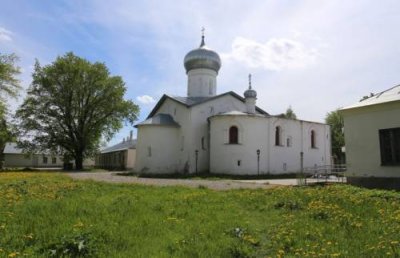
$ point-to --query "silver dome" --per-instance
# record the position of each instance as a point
(250, 93)
(202, 57)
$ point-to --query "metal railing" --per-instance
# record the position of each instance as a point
(331, 173)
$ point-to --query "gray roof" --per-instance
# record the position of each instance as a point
(192, 101)
(160, 119)
(389, 95)
(11, 148)
(129, 144)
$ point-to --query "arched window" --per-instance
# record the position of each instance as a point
(313, 145)
(233, 135)
(278, 134)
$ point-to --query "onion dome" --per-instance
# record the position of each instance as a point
(202, 57)
(250, 93)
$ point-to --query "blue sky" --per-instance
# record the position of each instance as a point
(313, 55)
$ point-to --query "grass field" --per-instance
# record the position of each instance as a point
(45, 215)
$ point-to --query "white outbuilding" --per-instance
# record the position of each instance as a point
(372, 138)
(206, 132)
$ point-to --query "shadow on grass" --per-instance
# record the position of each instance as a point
(208, 176)
(48, 169)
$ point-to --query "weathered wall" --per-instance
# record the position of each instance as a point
(157, 149)
(131, 158)
(202, 82)
(259, 133)
(20, 160)
(361, 129)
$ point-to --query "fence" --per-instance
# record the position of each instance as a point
(329, 173)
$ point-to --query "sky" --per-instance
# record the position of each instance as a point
(315, 56)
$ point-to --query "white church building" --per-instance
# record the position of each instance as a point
(206, 132)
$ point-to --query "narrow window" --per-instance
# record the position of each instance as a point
(149, 151)
(239, 163)
(182, 143)
(210, 88)
(389, 140)
(44, 160)
(233, 135)
(313, 145)
(278, 132)
(289, 142)
(54, 160)
(203, 147)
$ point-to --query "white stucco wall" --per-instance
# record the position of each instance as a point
(157, 148)
(131, 158)
(259, 133)
(361, 129)
(21, 160)
(225, 157)
(177, 153)
(199, 128)
(193, 127)
(202, 83)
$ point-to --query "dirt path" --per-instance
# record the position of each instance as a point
(113, 177)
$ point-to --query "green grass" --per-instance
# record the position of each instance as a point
(43, 214)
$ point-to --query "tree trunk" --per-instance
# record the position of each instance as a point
(79, 161)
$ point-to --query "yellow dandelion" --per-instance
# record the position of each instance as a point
(13, 254)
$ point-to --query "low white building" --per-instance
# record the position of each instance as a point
(372, 139)
(120, 156)
(226, 133)
(14, 157)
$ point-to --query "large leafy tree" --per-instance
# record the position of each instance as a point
(9, 84)
(335, 120)
(9, 88)
(71, 104)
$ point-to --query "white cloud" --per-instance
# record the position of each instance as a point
(5, 35)
(275, 54)
(145, 99)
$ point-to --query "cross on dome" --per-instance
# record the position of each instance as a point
(202, 37)
(250, 81)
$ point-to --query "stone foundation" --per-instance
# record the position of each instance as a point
(389, 183)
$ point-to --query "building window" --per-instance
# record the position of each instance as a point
(149, 151)
(44, 160)
(278, 135)
(203, 145)
(54, 160)
(390, 146)
(233, 135)
(289, 141)
(313, 145)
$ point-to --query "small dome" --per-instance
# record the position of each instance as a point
(202, 57)
(250, 93)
